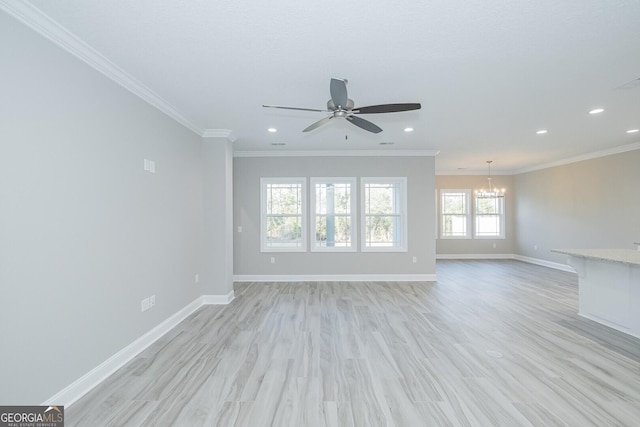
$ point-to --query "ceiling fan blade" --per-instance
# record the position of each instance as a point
(317, 124)
(294, 108)
(338, 90)
(364, 124)
(387, 108)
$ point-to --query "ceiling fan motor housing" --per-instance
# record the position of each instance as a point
(332, 107)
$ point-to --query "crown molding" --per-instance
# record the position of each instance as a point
(474, 172)
(220, 133)
(588, 156)
(34, 18)
(338, 153)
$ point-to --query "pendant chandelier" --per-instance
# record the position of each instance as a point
(492, 192)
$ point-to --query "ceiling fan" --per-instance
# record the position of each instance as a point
(341, 106)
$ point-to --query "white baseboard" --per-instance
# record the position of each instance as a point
(544, 263)
(334, 278)
(474, 256)
(88, 381)
(218, 299)
(608, 324)
(530, 260)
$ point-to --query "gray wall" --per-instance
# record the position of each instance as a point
(588, 204)
(217, 157)
(248, 260)
(85, 233)
(479, 246)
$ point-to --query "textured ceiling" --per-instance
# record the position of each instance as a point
(488, 73)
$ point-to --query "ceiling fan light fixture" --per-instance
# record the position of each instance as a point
(341, 106)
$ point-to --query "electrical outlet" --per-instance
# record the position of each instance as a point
(144, 305)
(494, 246)
(273, 260)
(239, 229)
(535, 247)
(196, 279)
(152, 301)
(415, 259)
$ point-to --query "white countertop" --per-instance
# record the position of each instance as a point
(625, 256)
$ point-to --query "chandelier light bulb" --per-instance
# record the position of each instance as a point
(491, 193)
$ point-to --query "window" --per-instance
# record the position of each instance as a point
(454, 205)
(384, 213)
(333, 214)
(283, 214)
(489, 217)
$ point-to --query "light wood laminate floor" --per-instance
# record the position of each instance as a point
(491, 343)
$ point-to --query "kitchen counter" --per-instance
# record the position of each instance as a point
(625, 256)
(608, 286)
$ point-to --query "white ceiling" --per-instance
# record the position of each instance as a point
(489, 74)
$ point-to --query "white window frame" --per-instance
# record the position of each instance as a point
(403, 214)
(501, 216)
(353, 204)
(468, 214)
(263, 214)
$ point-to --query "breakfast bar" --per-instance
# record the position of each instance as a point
(608, 286)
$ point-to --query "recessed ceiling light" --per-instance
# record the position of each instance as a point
(633, 130)
(387, 143)
(596, 111)
(272, 130)
(408, 129)
(541, 132)
(278, 144)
